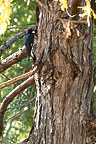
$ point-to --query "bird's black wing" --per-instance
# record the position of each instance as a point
(29, 40)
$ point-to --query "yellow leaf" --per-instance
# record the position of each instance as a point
(63, 4)
(5, 12)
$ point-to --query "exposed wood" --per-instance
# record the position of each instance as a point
(16, 79)
(12, 39)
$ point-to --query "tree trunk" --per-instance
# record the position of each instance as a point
(65, 81)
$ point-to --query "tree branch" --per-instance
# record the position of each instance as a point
(5, 76)
(21, 77)
(12, 39)
(13, 59)
(11, 96)
(14, 84)
(16, 27)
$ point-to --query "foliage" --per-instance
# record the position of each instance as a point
(17, 123)
(17, 128)
(63, 4)
(88, 11)
(5, 12)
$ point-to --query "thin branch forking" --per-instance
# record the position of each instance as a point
(21, 77)
(11, 96)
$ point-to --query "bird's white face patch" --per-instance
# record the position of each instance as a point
(33, 31)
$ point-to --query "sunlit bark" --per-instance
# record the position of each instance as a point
(65, 81)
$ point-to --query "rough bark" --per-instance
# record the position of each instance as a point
(65, 81)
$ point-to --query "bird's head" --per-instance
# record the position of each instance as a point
(29, 31)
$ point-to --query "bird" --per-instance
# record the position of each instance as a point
(29, 40)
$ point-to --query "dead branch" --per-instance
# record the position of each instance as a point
(21, 77)
(5, 76)
(13, 59)
(16, 27)
(11, 96)
(14, 84)
(12, 39)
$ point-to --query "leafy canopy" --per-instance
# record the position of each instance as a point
(5, 12)
(17, 126)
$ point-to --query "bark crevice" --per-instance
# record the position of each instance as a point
(65, 90)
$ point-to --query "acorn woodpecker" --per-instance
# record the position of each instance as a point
(29, 40)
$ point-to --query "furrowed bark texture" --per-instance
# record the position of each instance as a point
(65, 81)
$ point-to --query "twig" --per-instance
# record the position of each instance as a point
(14, 84)
(15, 116)
(5, 76)
(17, 27)
(25, 95)
(15, 92)
(22, 104)
(21, 77)
(11, 96)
